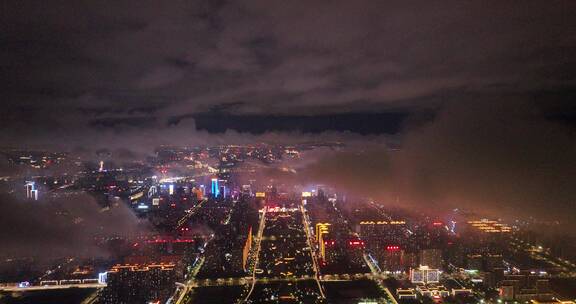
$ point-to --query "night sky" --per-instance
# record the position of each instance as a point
(77, 69)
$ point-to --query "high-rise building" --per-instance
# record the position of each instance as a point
(215, 189)
(474, 261)
(392, 258)
(246, 249)
(409, 260)
(494, 261)
(431, 258)
(199, 193)
(321, 229)
(355, 251)
(331, 254)
(247, 190)
(34, 194)
(31, 191)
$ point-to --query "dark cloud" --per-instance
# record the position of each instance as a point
(92, 66)
(134, 75)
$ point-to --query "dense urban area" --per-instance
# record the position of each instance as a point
(208, 225)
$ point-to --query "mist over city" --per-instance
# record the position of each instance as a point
(397, 152)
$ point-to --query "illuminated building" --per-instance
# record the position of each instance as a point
(486, 262)
(139, 283)
(260, 194)
(223, 190)
(461, 291)
(355, 251)
(102, 277)
(406, 294)
(155, 201)
(247, 190)
(392, 258)
(34, 194)
(246, 249)
(432, 276)
(409, 260)
(494, 262)
(203, 189)
(380, 233)
(490, 226)
(152, 191)
(199, 193)
(506, 293)
(474, 261)
(525, 287)
(29, 187)
(432, 291)
(31, 191)
(425, 275)
(431, 258)
(417, 276)
(321, 229)
(214, 187)
(331, 255)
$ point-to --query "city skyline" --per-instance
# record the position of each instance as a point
(326, 151)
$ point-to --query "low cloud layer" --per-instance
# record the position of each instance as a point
(71, 226)
(501, 159)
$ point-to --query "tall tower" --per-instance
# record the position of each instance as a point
(29, 187)
(215, 188)
(31, 191)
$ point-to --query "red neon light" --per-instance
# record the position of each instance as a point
(183, 241)
(392, 247)
(437, 223)
(170, 241)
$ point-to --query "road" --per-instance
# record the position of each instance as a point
(257, 252)
(285, 256)
(309, 238)
(377, 277)
(234, 281)
(189, 214)
(50, 287)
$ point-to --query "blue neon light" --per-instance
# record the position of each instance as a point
(215, 188)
